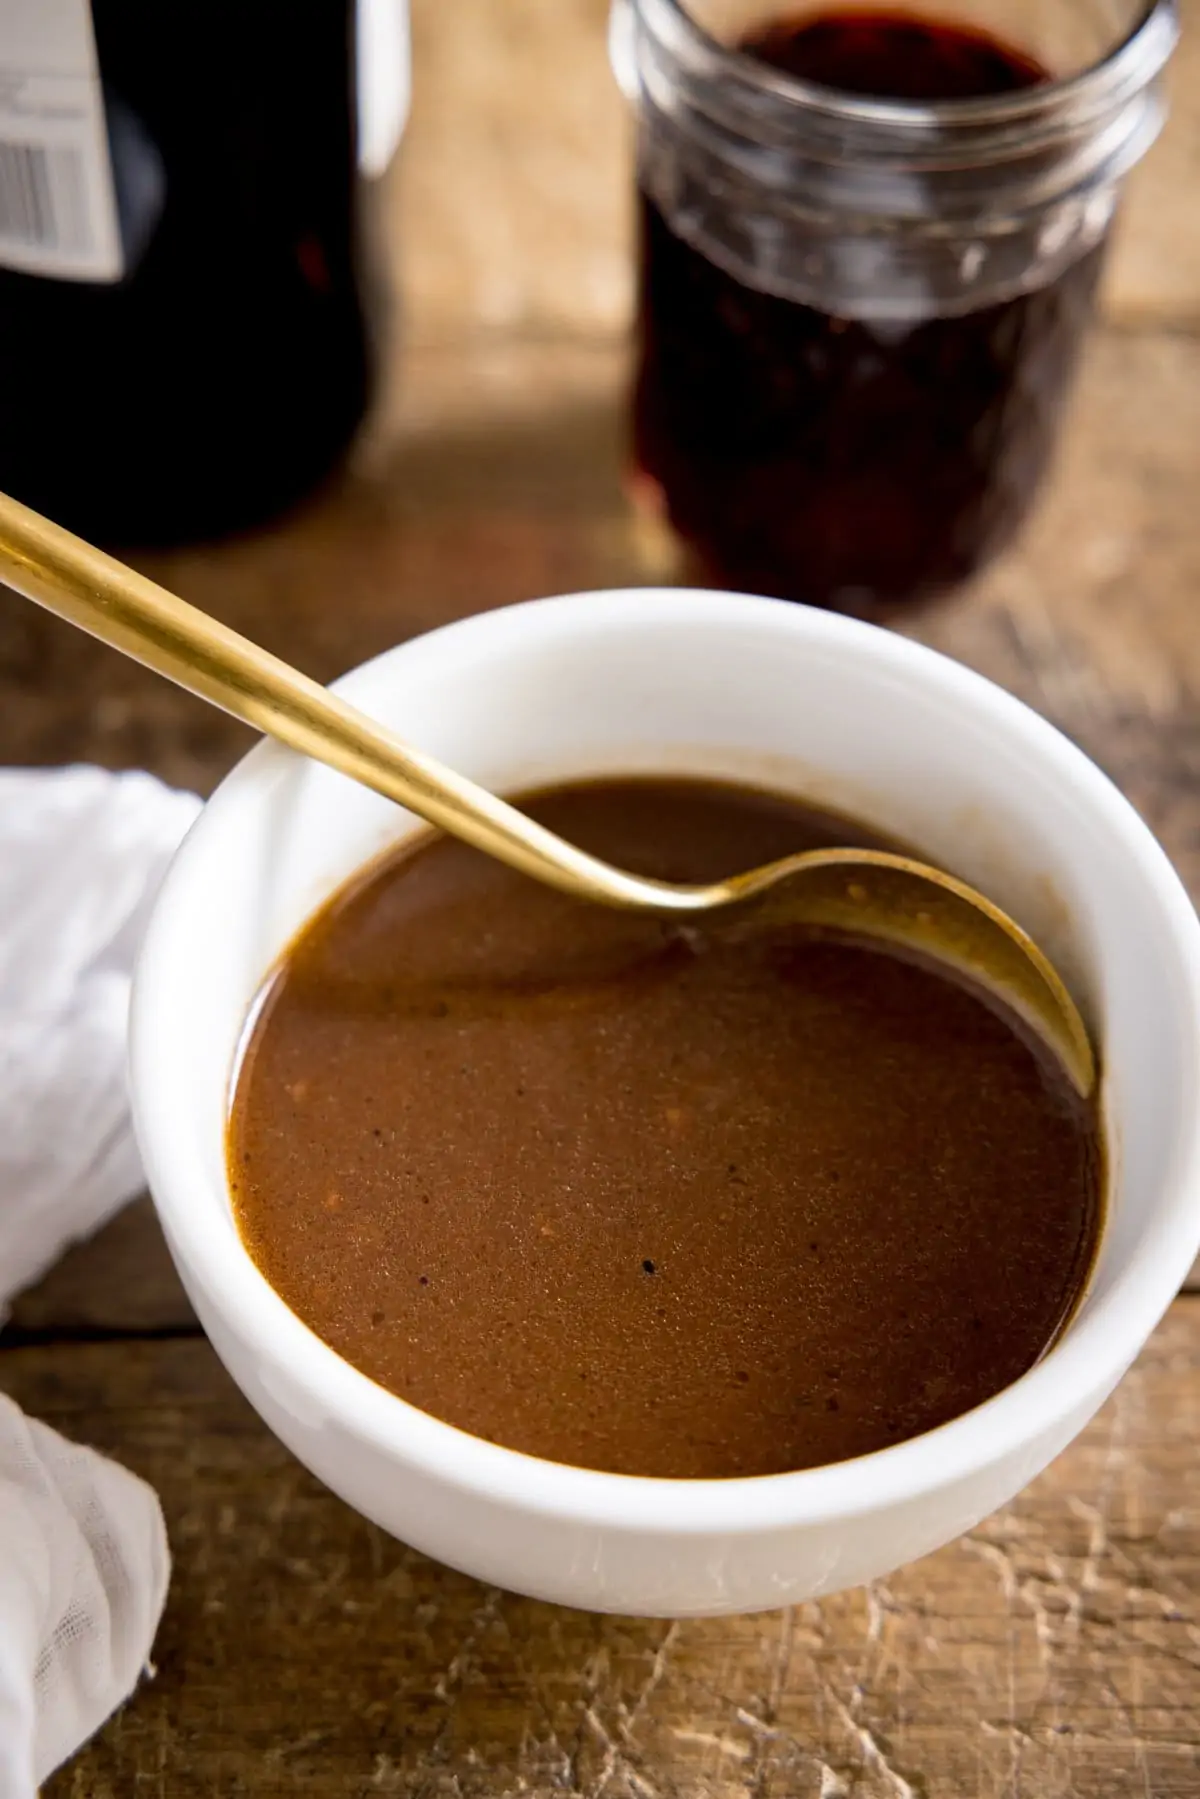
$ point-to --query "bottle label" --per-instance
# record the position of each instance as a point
(383, 79)
(58, 210)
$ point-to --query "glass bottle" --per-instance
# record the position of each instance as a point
(859, 315)
(189, 298)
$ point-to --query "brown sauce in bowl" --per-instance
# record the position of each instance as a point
(652, 1200)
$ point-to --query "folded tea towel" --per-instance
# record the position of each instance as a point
(83, 1551)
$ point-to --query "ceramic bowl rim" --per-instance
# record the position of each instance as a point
(1090, 1356)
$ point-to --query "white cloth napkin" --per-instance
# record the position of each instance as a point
(83, 1550)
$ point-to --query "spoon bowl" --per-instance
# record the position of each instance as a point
(921, 910)
(872, 894)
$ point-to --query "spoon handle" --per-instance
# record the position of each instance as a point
(102, 596)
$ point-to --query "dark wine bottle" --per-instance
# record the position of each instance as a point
(190, 303)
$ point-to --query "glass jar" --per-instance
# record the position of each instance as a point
(859, 316)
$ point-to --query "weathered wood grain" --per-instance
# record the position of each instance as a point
(121, 1282)
(1052, 1654)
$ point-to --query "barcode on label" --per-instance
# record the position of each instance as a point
(58, 201)
(43, 202)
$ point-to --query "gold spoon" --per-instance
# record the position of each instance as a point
(871, 893)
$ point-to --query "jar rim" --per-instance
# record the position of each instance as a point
(1129, 65)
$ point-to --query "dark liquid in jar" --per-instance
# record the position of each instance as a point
(851, 464)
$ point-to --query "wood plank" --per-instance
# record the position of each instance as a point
(1054, 1653)
(1092, 619)
(121, 1282)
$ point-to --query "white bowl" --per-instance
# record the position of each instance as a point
(709, 684)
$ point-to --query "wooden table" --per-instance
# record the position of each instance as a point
(1055, 1651)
